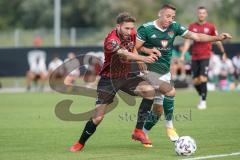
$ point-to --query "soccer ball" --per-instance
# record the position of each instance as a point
(185, 146)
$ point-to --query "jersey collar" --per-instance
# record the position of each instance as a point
(156, 26)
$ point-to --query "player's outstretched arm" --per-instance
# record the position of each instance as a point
(133, 56)
(199, 37)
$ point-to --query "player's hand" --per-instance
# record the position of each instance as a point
(224, 56)
(156, 51)
(224, 36)
(150, 59)
(182, 58)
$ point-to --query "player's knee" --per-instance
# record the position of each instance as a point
(171, 93)
(203, 79)
(196, 81)
(97, 120)
(147, 91)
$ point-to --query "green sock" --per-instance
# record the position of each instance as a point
(151, 120)
(168, 106)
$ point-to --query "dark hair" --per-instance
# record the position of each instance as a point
(125, 17)
(202, 7)
(169, 6)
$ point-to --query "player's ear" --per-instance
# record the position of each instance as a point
(118, 26)
(159, 14)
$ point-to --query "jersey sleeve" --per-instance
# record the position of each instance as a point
(112, 45)
(214, 31)
(180, 30)
(141, 34)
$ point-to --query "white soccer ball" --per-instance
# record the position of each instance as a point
(185, 146)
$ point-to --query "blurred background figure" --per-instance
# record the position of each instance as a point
(214, 71)
(179, 68)
(54, 64)
(73, 73)
(93, 63)
(236, 64)
(226, 74)
(37, 66)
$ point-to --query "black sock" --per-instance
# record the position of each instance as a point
(198, 88)
(89, 129)
(143, 111)
(203, 90)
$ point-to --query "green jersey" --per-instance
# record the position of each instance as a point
(162, 39)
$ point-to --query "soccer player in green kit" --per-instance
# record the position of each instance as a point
(157, 37)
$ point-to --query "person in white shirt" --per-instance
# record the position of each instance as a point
(53, 65)
(214, 68)
(73, 74)
(37, 68)
(226, 73)
(236, 64)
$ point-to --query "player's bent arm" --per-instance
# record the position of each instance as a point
(132, 56)
(199, 37)
(186, 46)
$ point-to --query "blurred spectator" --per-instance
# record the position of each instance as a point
(74, 73)
(236, 63)
(37, 66)
(214, 68)
(226, 74)
(93, 63)
(179, 68)
(54, 64)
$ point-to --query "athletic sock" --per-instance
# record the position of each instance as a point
(88, 131)
(169, 124)
(203, 90)
(198, 88)
(143, 111)
(150, 121)
(168, 106)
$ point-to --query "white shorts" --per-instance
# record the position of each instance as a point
(154, 79)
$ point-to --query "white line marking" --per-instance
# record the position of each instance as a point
(213, 156)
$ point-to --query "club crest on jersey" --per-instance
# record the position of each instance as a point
(170, 34)
(195, 30)
(164, 43)
(206, 30)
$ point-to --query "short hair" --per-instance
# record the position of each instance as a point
(125, 17)
(202, 7)
(168, 6)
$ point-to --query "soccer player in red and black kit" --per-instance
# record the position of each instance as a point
(119, 50)
(201, 52)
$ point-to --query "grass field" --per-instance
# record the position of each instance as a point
(29, 129)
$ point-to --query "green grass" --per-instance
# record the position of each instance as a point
(30, 130)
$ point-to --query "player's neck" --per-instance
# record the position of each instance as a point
(201, 22)
(160, 25)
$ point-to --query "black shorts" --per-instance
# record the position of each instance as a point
(200, 67)
(108, 87)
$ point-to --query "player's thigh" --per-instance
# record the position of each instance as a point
(195, 65)
(106, 91)
(204, 63)
(165, 85)
(138, 86)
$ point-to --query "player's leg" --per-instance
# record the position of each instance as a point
(138, 86)
(105, 95)
(155, 114)
(203, 78)
(167, 103)
(168, 106)
(196, 73)
(29, 78)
